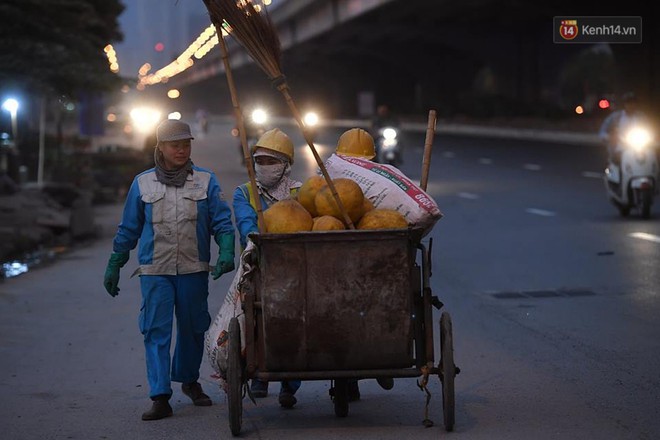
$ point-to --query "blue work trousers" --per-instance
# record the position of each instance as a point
(163, 297)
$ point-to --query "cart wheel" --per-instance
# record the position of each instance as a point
(447, 370)
(235, 378)
(340, 397)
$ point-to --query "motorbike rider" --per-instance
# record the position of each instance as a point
(202, 117)
(618, 122)
(382, 119)
(273, 156)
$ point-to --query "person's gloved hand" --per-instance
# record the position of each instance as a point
(225, 261)
(111, 278)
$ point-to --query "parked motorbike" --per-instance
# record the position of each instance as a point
(631, 179)
(388, 149)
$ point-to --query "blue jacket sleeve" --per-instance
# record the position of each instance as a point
(219, 210)
(245, 215)
(132, 221)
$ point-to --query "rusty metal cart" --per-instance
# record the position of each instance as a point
(339, 305)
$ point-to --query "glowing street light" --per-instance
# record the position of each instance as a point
(11, 105)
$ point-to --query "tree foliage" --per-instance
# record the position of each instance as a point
(57, 45)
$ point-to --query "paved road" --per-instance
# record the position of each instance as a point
(553, 296)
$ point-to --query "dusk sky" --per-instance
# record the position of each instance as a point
(145, 23)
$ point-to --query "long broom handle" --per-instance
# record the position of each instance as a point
(241, 129)
(284, 88)
(428, 143)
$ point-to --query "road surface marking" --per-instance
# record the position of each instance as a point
(645, 236)
(485, 161)
(470, 196)
(541, 212)
(592, 175)
(448, 154)
(532, 167)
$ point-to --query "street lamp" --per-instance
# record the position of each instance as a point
(11, 105)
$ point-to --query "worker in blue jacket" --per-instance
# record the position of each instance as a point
(273, 157)
(173, 210)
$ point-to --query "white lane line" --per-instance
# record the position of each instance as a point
(448, 154)
(469, 196)
(592, 175)
(532, 167)
(485, 161)
(645, 236)
(541, 212)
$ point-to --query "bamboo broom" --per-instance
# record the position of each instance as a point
(251, 26)
(240, 121)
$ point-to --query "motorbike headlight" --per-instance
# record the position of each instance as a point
(311, 119)
(145, 118)
(638, 138)
(259, 116)
(389, 133)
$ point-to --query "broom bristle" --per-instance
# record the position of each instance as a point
(252, 28)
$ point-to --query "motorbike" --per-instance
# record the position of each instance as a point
(311, 120)
(255, 126)
(631, 178)
(388, 150)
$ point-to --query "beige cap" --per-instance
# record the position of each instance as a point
(173, 130)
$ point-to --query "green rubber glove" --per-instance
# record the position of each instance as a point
(111, 278)
(225, 261)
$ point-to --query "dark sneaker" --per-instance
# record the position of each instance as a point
(160, 408)
(287, 400)
(386, 383)
(353, 391)
(194, 391)
(259, 389)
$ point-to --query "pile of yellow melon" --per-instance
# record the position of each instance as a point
(315, 209)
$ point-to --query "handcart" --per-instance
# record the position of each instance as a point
(339, 305)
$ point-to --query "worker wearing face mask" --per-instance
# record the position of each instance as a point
(273, 157)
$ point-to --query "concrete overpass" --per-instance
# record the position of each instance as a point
(478, 57)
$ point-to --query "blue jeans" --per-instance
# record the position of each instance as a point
(163, 297)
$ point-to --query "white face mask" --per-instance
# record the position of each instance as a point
(269, 175)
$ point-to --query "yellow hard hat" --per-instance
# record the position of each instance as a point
(276, 140)
(356, 142)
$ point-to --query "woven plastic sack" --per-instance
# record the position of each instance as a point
(216, 339)
(387, 187)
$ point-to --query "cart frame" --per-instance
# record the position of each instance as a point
(315, 314)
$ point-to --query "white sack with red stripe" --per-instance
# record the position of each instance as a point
(387, 188)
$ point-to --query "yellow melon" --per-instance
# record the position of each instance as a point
(327, 223)
(351, 197)
(307, 193)
(367, 205)
(287, 216)
(382, 219)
